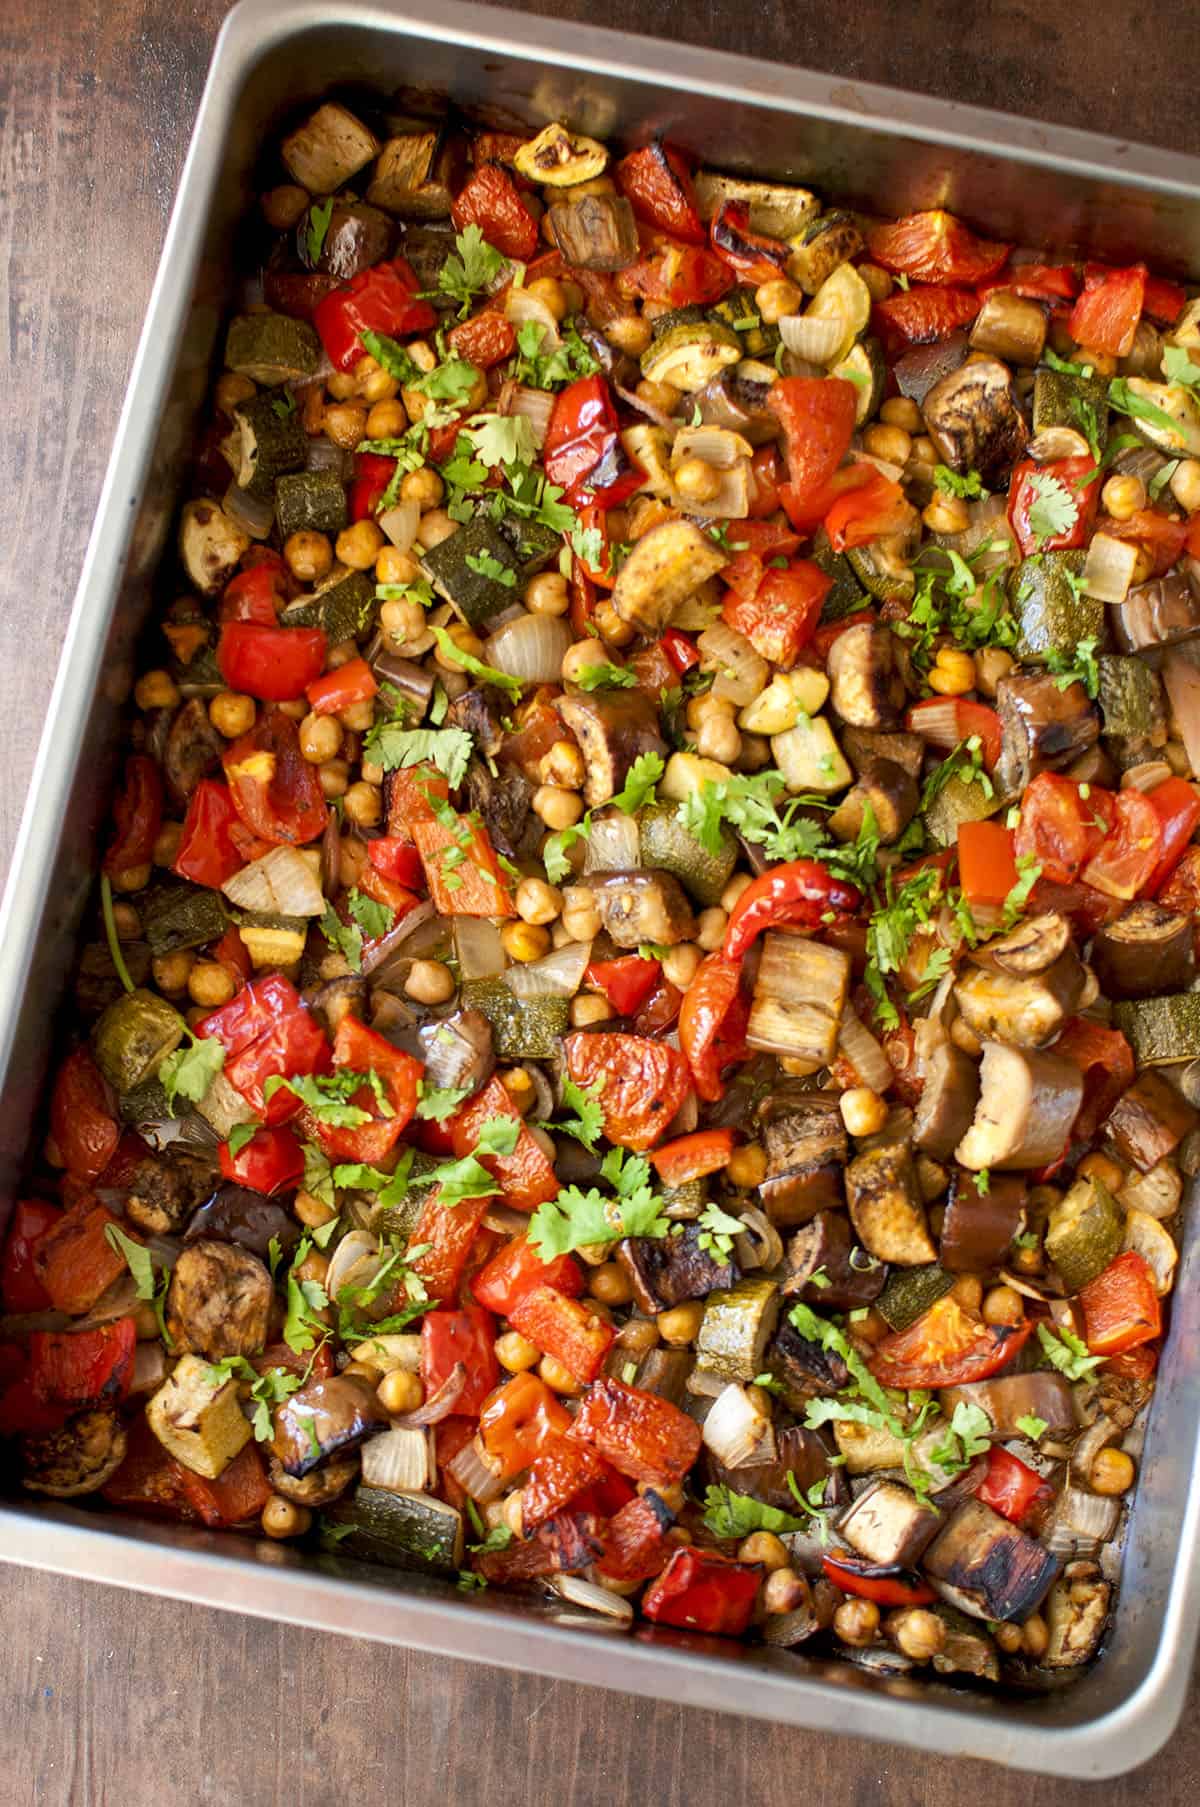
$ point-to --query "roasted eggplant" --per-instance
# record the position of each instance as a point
(1146, 950)
(613, 729)
(219, 1301)
(827, 1268)
(987, 1568)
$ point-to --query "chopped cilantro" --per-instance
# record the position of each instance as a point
(470, 270)
(319, 216)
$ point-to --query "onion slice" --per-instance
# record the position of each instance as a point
(535, 406)
(556, 975)
(475, 1473)
(280, 883)
(864, 1053)
(530, 647)
(399, 1460)
(522, 308)
(478, 947)
(441, 1403)
(812, 337)
(1108, 568)
(400, 524)
(389, 945)
(252, 513)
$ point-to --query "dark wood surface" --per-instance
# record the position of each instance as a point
(107, 1697)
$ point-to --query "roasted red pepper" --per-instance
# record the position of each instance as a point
(83, 1367)
(679, 275)
(556, 1478)
(275, 664)
(781, 617)
(484, 340)
(946, 721)
(150, 1481)
(269, 1161)
(922, 315)
(866, 509)
(353, 682)
(520, 1420)
(1106, 315)
(1029, 489)
(752, 257)
(138, 813)
(645, 1082)
(357, 1049)
(491, 201)
(641, 1434)
(20, 1284)
(946, 1347)
(1105, 1059)
(275, 791)
(266, 1031)
(563, 1328)
(447, 1233)
(397, 861)
(236, 1497)
(935, 247)
(383, 300)
(712, 1023)
(692, 1157)
(1178, 809)
(636, 1545)
(1162, 300)
(74, 1260)
(680, 649)
(82, 1123)
(208, 853)
(800, 892)
(514, 1268)
(1010, 1487)
(1162, 537)
(582, 451)
(700, 1590)
(656, 183)
(373, 472)
(1120, 1306)
(886, 1583)
(817, 415)
(626, 982)
(526, 1177)
(461, 869)
(987, 862)
(467, 1336)
(1036, 282)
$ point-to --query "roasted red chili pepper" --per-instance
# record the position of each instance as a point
(801, 892)
(754, 258)
(712, 1023)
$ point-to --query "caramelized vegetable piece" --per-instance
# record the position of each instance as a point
(987, 1568)
(886, 1207)
(1027, 1103)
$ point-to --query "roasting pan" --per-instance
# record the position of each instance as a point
(1038, 185)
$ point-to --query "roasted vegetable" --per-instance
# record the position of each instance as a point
(344, 610)
(1149, 1121)
(665, 1271)
(1026, 1012)
(417, 174)
(1007, 1398)
(522, 1028)
(668, 845)
(986, 1567)
(667, 565)
(826, 1268)
(774, 210)
(1053, 614)
(889, 1524)
(597, 232)
(325, 1418)
(400, 1530)
(272, 348)
(806, 1148)
(210, 545)
(820, 246)
(640, 907)
(974, 420)
(1083, 1232)
(614, 729)
(75, 1460)
(888, 792)
(799, 995)
(909, 1293)
(219, 1301)
(978, 1227)
(330, 147)
(1147, 948)
(947, 1101)
(886, 1207)
(198, 1418)
(1009, 327)
(1162, 612)
(1045, 727)
(1027, 1103)
(468, 569)
(310, 501)
(134, 1037)
(1161, 1030)
(737, 1325)
(1076, 1613)
(865, 688)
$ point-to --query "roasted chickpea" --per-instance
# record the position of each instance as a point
(991, 664)
(1122, 496)
(697, 481)
(334, 776)
(747, 1166)
(679, 964)
(345, 424)
(549, 291)
(284, 1518)
(312, 1211)
(629, 333)
(776, 298)
(589, 1007)
(864, 1112)
(386, 419)
(434, 527)
(320, 738)
(546, 594)
(877, 279)
(953, 672)
(1003, 1305)
(580, 657)
(556, 807)
(785, 1591)
(364, 804)
(538, 902)
(232, 715)
(1103, 1168)
(403, 621)
(765, 1548)
(681, 1325)
(465, 639)
(967, 1291)
(400, 1391)
(377, 386)
(308, 555)
(562, 764)
(342, 385)
(430, 982)
(891, 443)
(156, 690)
(734, 889)
(718, 738)
(515, 1352)
(916, 1633)
(359, 546)
(1008, 1637)
(1035, 1636)
(396, 567)
(663, 396)
(166, 847)
(900, 411)
(210, 984)
(856, 1622)
(524, 941)
(612, 629)
(1112, 1473)
(424, 487)
(610, 1284)
(945, 514)
(580, 916)
(558, 1378)
(1185, 484)
(710, 928)
(520, 1087)
(283, 206)
(131, 878)
(171, 971)
(233, 389)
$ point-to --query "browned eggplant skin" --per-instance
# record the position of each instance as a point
(885, 1205)
(613, 730)
(219, 1301)
(597, 232)
(807, 1148)
(236, 1214)
(1145, 952)
(987, 1568)
(826, 1247)
(193, 750)
(889, 791)
(1044, 728)
(977, 1227)
(323, 1419)
(974, 420)
(1160, 613)
(357, 235)
(640, 907)
(799, 1452)
(947, 1101)
(665, 1271)
(866, 690)
(1149, 1121)
(740, 404)
(1007, 1398)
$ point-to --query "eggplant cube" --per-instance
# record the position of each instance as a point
(328, 149)
(197, 1420)
(987, 1568)
(889, 1524)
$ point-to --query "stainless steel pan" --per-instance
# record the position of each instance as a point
(868, 145)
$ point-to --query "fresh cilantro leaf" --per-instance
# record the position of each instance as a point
(1179, 367)
(588, 545)
(638, 788)
(374, 919)
(458, 1180)
(728, 1515)
(1066, 1352)
(319, 216)
(266, 1390)
(891, 929)
(628, 1173)
(820, 1279)
(472, 271)
(328, 1095)
(1162, 478)
(190, 1071)
(554, 851)
(1015, 903)
(968, 1435)
(346, 937)
(394, 748)
(1127, 401)
(1032, 1426)
(576, 1218)
(952, 484)
(452, 383)
(587, 1124)
(749, 805)
(498, 1538)
(499, 1135)
(500, 439)
(487, 674)
(717, 1231)
(1052, 360)
(436, 1103)
(137, 1259)
(303, 1326)
(1054, 510)
(1078, 667)
(469, 1582)
(239, 1135)
(965, 763)
(769, 1384)
(484, 565)
(284, 405)
(983, 1182)
(830, 1337)
(604, 677)
(563, 363)
(318, 1177)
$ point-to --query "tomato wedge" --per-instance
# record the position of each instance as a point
(817, 417)
(272, 786)
(935, 247)
(921, 316)
(1127, 858)
(1060, 828)
(874, 507)
(946, 1347)
(1106, 315)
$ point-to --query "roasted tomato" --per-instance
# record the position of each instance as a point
(946, 1347)
(935, 247)
(644, 1083)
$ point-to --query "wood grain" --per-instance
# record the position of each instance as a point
(107, 1697)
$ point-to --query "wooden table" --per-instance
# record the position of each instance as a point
(110, 1698)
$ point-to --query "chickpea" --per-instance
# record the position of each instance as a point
(400, 1391)
(558, 1378)
(556, 807)
(334, 776)
(515, 1352)
(308, 555)
(785, 1591)
(747, 1166)
(891, 443)
(579, 657)
(764, 1547)
(364, 804)
(1102, 362)
(612, 629)
(520, 1087)
(424, 487)
(171, 971)
(312, 1211)
(580, 912)
(917, 1633)
(953, 672)
(1122, 496)
(1003, 1305)
(681, 1325)
(1143, 566)
(359, 546)
(320, 738)
(345, 424)
(562, 765)
(967, 1291)
(637, 1337)
(403, 621)
(232, 715)
(589, 1007)
(629, 333)
(284, 1518)
(549, 291)
(342, 385)
(166, 847)
(1185, 484)
(856, 1622)
(718, 739)
(734, 889)
(210, 984)
(1008, 1637)
(610, 1284)
(1113, 1472)
(924, 451)
(663, 396)
(679, 964)
(697, 481)
(127, 922)
(776, 298)
(435, 526)
(386, 420)
(283, 206)
(295, 711)
(133, 878)
(1035, 1636)
(1103, 1168)
(524, 941)
(864, 1112)
(396, 567)
(991, 664)
(877, 279)
(156, 690)
(546, 594)
(377, 386)
(701, 708)
(945, 514)
(900, 411)
(513, 1515)
(538, 902)
(430, 982)
(710, 928)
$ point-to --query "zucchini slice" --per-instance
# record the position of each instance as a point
(1161, 1030)
(310, 501)
(827, 241)
(345, 610)
(272, 348)
(134, 1037)
(522, 1028)
(467, 571)
(401, 1530)
(737, 1326)
(667, 845)
(689, 356)
(180, 916)
(1053, 618)
(268, 440)
(863, 365)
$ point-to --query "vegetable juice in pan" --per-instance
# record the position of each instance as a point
(638, 1036)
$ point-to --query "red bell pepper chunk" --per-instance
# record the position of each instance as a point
(582, 452)
(682, 651)
(256, 594)
(526, 1177)
(520, 1420)
(74, 1260)
(514, 1268)
(1035, 282)
(636, 1545)
(461, 869)
(692, 1157)
(946, 721)
(712, 1023)
(645, 1083)
(563, 1328)
(753, 257)
(556, 1477)
(373, 472)
(1106, 315)
(1105, 1059)
(379, 300)
(269, 1161)
(800, 892)
(872, 507)
(607, 1495)
(678, 274)
(83, 1367)
(357, 1049)
(658, 186)
(987, 862)
(1120, 1306)
(1162, 300)
(643, 1435)
(1030, 490)
(946, 1347)
(922, 315)
(886, 1583)
(278, 797)
(396, 860)
(817, 415)
(781, 617)
(208, 854)
(485, 340)
(700, 1590)
(238, 1494)
(935, 247)
(266, 1032)
(450, 1232)
(1128, 857)
(81, 1122)
(138, 812)
(20, 1285)
(467, 1336)
(1178, 810)
(273, 663)
(626, 982)
(1010, 1487)
(490, 200)
(353, 682)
